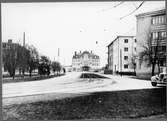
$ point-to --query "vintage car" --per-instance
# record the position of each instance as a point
(159, 79)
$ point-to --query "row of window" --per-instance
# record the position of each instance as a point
(161, 35)
(126, 40)
(158, 20)
(93, 60)
(126, 49)
(160, 48)
(81, 64)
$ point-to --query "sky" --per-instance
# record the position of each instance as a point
(71, 26)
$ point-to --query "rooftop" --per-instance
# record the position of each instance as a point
(90, 54)
(119, 36)
(152, 12)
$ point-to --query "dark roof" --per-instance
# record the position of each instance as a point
(152, 13)
(78, 55)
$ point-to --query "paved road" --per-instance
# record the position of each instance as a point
(71, 83)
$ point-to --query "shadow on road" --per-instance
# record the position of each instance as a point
(98, 105)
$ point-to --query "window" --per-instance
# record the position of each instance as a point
(154, 35)
(164, 48)
(135, 40)
(163, 34)
(125, 66)
(4, 45)
(125, 57)
(125, 49)
(125, 40)
(158, 20)
(135, 48)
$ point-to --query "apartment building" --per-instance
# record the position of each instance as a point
(151, 25)
(121, 51)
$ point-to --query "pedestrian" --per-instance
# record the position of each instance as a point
(64, 70)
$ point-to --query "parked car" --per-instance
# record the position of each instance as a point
(159, 79)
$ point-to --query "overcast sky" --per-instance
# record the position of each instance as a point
(72, 26)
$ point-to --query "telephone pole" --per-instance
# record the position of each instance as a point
(24, 39)
(58, 55)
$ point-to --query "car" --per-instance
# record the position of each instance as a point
(159, 79)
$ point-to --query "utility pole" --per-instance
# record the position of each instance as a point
(24, 39)
(58, 55)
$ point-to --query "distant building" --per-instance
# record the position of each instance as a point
(85, 60)
(68, 68)
(5, 47)
(120, 53)
(151, 24)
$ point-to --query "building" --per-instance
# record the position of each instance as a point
(5, 47)
(68, 68)
(121, 51)
(85, 61)
(151, 25)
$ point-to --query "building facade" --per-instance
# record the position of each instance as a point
(121, 51)
(85, 59)
(151, 25)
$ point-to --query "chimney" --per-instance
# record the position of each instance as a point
(80, 51)
(91, 51)
(75, 53)
(24, 39)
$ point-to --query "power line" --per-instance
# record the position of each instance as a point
(111, 7)
(133, 11)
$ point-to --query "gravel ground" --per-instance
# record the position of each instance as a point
(146, 103)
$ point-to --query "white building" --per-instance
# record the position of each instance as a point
(68, 68)
(120, 54)
(85, 60)
(151, 25)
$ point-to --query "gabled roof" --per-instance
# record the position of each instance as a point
(119, 37)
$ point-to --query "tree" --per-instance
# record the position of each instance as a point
(10, 59)
(23, 57)
(33, 59)
(56, 67)
(151, 52)
(44, 66)
(133, 60)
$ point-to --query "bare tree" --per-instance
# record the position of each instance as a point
(10, 59)
(151, 53)
(23, 56)
(133, 60)
(33, 59)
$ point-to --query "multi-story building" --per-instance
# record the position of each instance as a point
(85, 59)
(121, 51)
(151, 26)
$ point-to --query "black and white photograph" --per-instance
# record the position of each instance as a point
(89, 60)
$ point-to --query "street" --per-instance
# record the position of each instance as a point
(71, 83)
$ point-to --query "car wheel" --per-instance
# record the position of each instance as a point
(154, 84)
